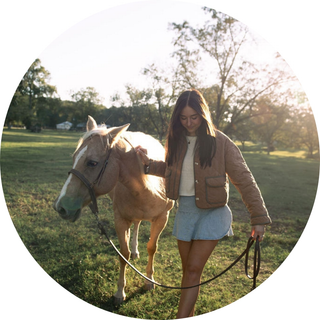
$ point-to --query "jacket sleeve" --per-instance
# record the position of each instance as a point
(242, 178)
(158, 168)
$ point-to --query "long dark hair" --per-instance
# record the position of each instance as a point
(206, 132)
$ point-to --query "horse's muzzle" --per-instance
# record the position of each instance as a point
(67, 213)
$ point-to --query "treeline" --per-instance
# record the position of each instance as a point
(248, 102)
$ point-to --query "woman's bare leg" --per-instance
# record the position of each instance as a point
(194, 256)
(184, 249)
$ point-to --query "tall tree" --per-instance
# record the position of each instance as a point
(17, 110)
(238, 82)
(34, 85)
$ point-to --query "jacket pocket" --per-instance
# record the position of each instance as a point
(168, 179)
(217, 190)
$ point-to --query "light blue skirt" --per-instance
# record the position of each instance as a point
(192, 223)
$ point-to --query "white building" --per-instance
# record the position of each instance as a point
(64, 125)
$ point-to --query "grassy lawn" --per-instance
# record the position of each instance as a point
(33, 170)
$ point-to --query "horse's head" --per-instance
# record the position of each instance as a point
(95, 167)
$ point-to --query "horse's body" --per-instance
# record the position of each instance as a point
(135, 196)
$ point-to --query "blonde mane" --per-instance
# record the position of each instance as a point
(156, 152)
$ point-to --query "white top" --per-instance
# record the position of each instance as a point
(186, 187)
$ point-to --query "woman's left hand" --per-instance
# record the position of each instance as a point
(258, 230)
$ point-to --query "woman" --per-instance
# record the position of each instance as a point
(199, 162)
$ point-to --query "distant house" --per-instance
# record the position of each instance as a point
(64, 125)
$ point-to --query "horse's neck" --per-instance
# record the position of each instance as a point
(130, 170)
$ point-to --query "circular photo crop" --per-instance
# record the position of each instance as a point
(136, 204)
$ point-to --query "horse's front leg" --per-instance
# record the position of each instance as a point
(157, 226)
(134, 243)
(123, 232)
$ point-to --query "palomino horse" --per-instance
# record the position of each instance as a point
(135, 196)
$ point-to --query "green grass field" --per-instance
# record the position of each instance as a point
(33, 170)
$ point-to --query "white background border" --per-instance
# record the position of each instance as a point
(290, 26)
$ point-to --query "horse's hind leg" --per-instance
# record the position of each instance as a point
(123, 232)
(156, 228)
(134, 241)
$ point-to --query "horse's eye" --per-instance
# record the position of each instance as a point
(92, 163)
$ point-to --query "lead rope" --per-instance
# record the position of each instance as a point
(256, 268)
(256, 261)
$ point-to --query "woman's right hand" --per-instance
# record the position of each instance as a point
(143, 155)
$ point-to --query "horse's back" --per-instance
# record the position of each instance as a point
(154, 147)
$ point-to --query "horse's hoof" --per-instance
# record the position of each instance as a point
(135, 256)
(149, 286)
(118, 301)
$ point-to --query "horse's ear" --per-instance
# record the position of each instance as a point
(91, 124)
(116, 132)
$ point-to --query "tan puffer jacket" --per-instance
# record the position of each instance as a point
(212, 183)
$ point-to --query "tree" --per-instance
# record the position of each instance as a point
(50, 111)
(164, 91)
(270, 121)
(243, 132)
(238, 82)
(308, 135)
(140, 109)
(33, 86)
(301, 127)
(87, 102)
(17, 110)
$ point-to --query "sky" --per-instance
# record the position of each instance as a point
(109, 49)
(29, 28)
